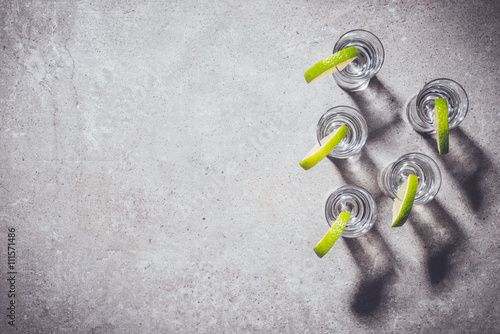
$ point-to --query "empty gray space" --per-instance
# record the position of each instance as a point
(149, 158)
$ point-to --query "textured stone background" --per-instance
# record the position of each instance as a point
(149, 163)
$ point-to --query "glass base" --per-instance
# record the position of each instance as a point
(351, 85)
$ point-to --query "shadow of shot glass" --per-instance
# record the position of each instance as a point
(468, 165)
(442, 238)
(376, 263)
(360, 169)
(378, 126)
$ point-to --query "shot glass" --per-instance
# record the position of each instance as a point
(420, 109)
(418, 164)
(355, 139)
(357, 75)
(359, 203)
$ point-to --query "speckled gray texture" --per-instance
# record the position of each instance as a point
(149, 164)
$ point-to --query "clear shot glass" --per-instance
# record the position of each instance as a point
(359, 203)
(418, 164)
(355, 139)
(357, 75)
(420, 109)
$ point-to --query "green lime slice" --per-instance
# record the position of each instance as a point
(321, 150)
(404, 201)
(336, 61)
(332, 235)
(441, 124)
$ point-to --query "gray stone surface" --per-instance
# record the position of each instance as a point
(149, 164)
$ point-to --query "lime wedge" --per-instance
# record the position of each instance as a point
(321, 150)
(336, 61)
(441, 124)
(404, 201)
(332, 235)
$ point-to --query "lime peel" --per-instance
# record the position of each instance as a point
(403, 202)
(325, 146)
(332, 235)
(337, 61)
(441, 123)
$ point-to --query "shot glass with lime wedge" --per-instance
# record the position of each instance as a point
(414, 178)
(356, 135)
(341, 133)
(357, 74)
(422, 112)
(350, 212)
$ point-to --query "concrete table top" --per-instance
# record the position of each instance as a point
(150, 181)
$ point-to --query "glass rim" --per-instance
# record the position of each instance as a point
(333, 109)
(367, 32)
(359, 30)
(340, 189)
(343, 106)
(419, 154)
(445, 79)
